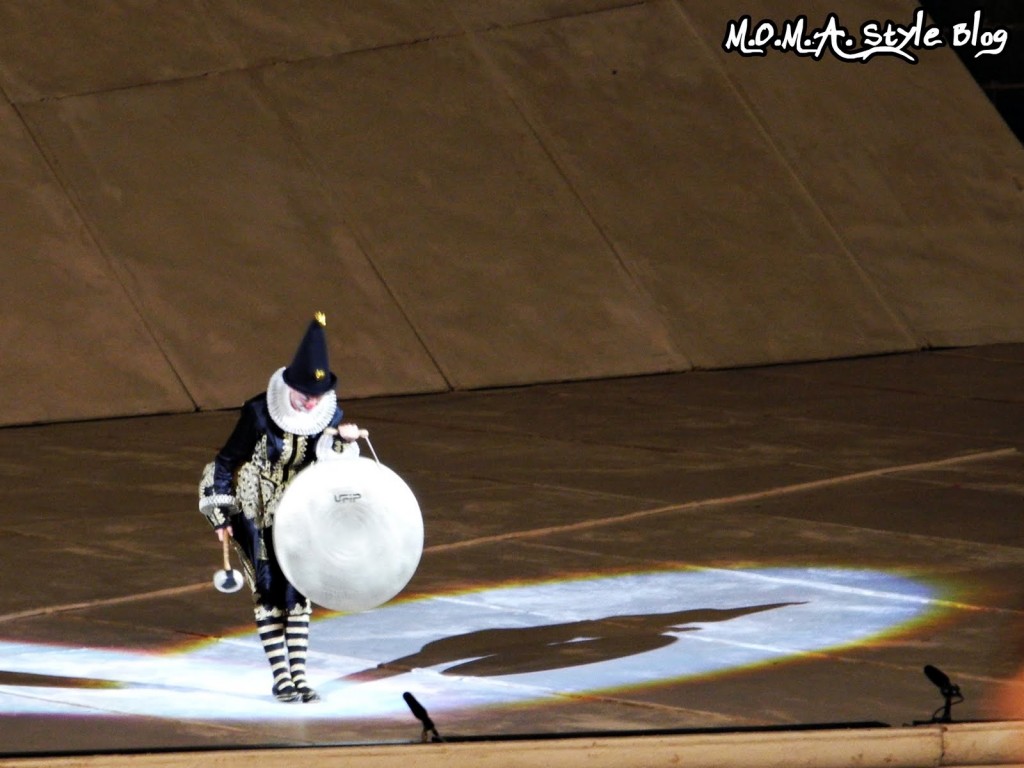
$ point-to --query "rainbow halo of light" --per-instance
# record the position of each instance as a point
(512, 644)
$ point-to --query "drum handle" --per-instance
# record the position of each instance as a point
(365, 434)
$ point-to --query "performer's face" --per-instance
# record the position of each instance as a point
(302, 402)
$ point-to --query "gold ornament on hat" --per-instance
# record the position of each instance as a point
(321, 318)
(319, 374)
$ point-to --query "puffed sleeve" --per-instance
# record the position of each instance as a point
(216, 489)
(238, 448)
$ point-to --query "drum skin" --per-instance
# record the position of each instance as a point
(348, 534)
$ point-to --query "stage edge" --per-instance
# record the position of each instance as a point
(958, 744)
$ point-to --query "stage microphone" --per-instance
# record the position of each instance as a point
(941, 680)
(950, 692)
(421, 714)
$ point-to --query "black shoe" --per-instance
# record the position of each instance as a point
(285, 691)
(307, 694)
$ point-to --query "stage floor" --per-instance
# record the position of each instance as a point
(778, 546)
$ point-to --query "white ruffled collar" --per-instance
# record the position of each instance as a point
(298, 422)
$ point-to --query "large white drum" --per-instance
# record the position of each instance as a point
(348, 534)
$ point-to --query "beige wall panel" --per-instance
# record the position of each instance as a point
(225, 238)
(691, 192)
(910, 163)
(502, 273)
(484, 14)
(59, 47)
(289, 30)
(72, 346)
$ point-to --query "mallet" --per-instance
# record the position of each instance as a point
(228, 579)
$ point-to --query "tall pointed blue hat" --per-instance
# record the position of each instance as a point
(310, 371)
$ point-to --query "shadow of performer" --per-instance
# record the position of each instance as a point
(520, 650)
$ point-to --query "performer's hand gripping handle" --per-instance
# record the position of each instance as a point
(348, 432)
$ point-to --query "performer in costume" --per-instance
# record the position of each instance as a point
(279, 432)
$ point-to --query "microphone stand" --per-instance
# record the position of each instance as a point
(421, 714)
(949, 691)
